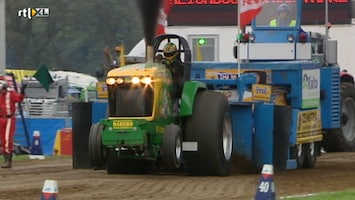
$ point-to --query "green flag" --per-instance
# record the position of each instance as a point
(42, 75)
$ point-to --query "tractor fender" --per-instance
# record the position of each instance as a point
(188, 95)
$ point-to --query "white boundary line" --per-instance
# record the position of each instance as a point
(297, 196)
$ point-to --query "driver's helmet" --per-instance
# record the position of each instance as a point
(3, 85)
(283, 8)
(170, 51)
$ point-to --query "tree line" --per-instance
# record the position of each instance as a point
(73, 36)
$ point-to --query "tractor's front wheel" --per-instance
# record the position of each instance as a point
(172, 147)
(210, 126)
(97, 153)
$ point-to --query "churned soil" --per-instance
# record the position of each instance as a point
(333, 172)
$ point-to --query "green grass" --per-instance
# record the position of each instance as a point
(342, 195)
(26, 157)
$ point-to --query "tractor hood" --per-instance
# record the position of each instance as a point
(153, 70)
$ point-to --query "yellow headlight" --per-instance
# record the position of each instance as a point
(135, 80)
(110, 81)
(146, 80)
(119, 80)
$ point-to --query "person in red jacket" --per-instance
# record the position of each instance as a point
(8, 100)
(346, 77)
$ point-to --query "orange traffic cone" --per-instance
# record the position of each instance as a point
(266, 187)
(50, 190)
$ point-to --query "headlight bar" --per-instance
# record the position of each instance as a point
(134, 80)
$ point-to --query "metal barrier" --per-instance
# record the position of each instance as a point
(41, 108)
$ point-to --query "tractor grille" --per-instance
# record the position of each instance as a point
(129, 100)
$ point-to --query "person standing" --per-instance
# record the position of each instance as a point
(8, 100)
(283, 18)
(346, 77)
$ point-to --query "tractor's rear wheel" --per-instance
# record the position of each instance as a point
(343, 139)
(172, 147)
(211, 127)
(97, 153)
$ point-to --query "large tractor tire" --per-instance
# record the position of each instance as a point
(211, 127)
(172, 147)
(97, 153)
(343, 139)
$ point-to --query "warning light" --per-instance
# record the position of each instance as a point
(202, 41)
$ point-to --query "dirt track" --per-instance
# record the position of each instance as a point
(334, 171)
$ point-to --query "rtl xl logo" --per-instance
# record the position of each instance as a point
(33, 12)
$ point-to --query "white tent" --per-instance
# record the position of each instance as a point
(74, 78)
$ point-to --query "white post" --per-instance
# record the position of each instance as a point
(238, 32)
(2, 38)
(325, 45)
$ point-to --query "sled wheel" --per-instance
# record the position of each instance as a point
(211, 127)
(311, 154)
(300, 155)
(97, 153)
(172, 147)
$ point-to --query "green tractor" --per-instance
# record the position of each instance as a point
(148, 126)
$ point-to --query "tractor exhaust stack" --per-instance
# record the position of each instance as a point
(149, 12)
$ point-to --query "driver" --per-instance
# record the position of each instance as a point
(283, 18)
(175, 65)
